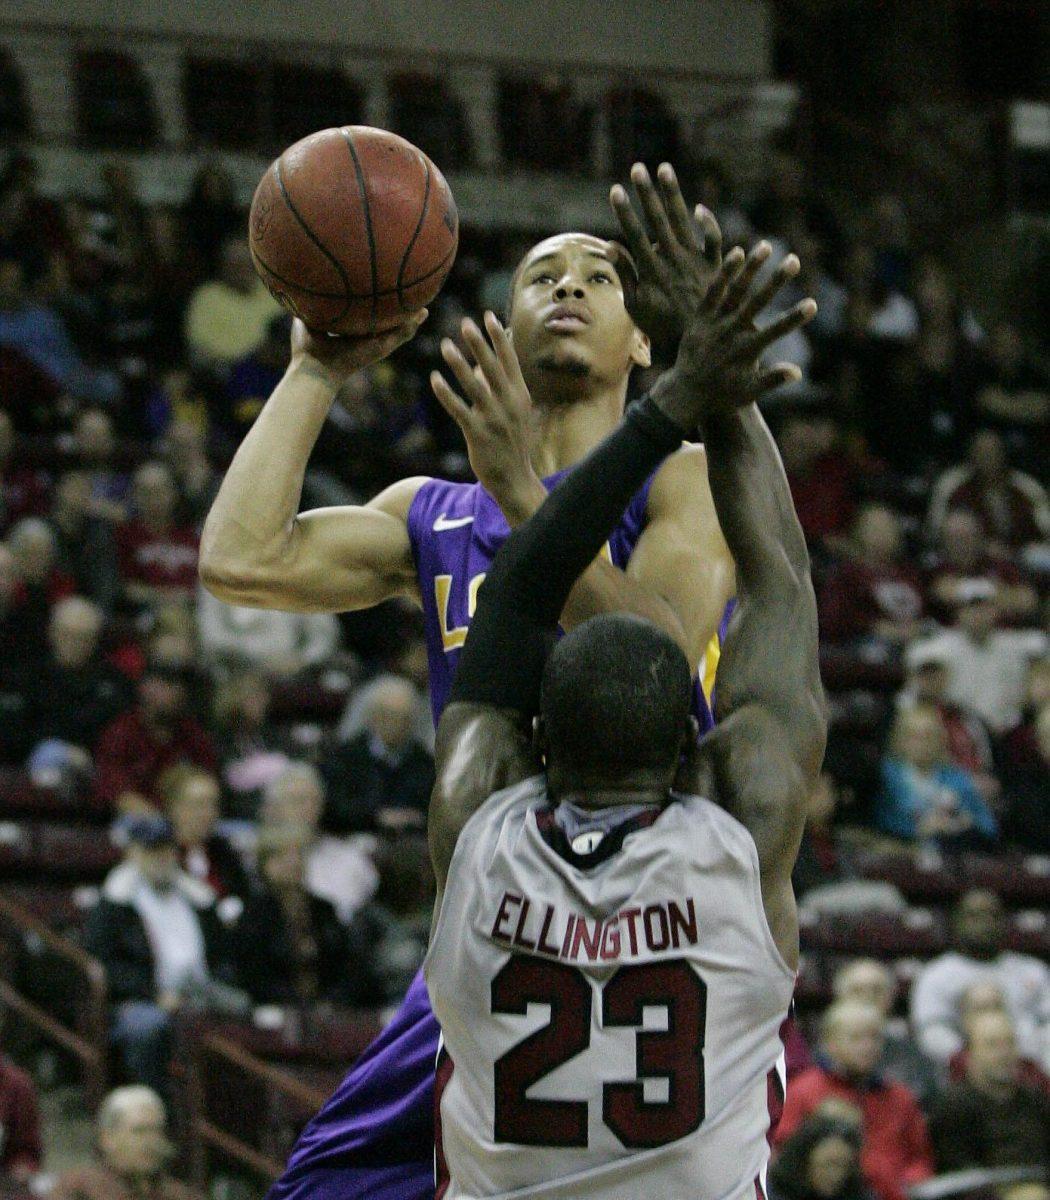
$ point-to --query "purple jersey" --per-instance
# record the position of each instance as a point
(374, 1139)
(455, 530)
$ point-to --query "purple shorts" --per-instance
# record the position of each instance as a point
(374, 1139)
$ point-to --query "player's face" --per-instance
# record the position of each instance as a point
(568, 319)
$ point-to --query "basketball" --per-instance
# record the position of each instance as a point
(352, 229)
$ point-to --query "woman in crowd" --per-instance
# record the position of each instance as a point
(924, 797)
(290, 946)
(190, 798)
(820, 1162)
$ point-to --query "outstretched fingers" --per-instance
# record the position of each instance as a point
(638, 243)
(753, 303)
(752, 345)
(732, 265)
(681, 223)
(711, 235)
(504, 349)
(738, 288)
(456, 407)
(475, 389)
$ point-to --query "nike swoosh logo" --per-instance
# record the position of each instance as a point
(444, 523)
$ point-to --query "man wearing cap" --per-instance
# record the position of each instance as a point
(157, 732)
(987, 666)
(156, 931)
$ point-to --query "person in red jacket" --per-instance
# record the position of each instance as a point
(21, 1152)
(157, 732)
(896, 1152)
(875, 594)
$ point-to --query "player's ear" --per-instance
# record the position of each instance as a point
(539, 739)
(641, 349)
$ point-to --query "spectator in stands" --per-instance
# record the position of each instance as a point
(133, 1153)
(158, 555)
(987, 666)
(381, 767)
(157, 934)
(40, 334)
(339, 870)
(895, 1150)
(991, 1119)
(186, 454)
(967, 740)
(85, 547)
(978, 955)
(867, 981)
(227, 316)
(1011, 506)
(154, 734)
(43, 582)
(820, 1161)
(389, 934)
(22, 650)
(822, 476)
(211, 214)
(1027, 791)
(822, 860)
(190, 800)
(23, 490)
(252, 750)
(924, 797)
(1013, 396)
(1019, 748)
(21, 1147)
(978, 1001)
(962, 558)
(277, 643)
(290, 946)
(95, 447)
(251, 379)
(875, 598)
(77, 693)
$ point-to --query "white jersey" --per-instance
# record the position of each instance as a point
(610, 1022)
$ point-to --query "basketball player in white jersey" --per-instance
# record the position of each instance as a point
(615, 938)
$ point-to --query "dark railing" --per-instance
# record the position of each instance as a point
(87, 1039)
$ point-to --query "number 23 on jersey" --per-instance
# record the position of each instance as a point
(674, 1055)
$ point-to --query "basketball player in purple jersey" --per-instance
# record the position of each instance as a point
(554, 396)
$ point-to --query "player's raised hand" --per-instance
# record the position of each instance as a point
(717, 369)
(670, 261)
(494, 410)
(333, 357)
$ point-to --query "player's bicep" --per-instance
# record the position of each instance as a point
(681, 554)
(478, 751)
(347, 557)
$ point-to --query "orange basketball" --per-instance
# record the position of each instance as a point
(352, 229)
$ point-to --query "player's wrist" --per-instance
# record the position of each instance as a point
(312, 373)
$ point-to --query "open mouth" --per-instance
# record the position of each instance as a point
(565, 324)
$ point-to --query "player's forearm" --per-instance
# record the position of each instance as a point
(250, 523)
(603, 587)
(771, 655)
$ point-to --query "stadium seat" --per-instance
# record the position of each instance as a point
(15, 116)
(306, 98)
(74, 852)
(917, 932)
(920, 881)
(1017, 879)
(424, 110)
(223, 101)
(115, 106)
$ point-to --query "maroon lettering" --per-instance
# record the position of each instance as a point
(543, 945)
(519, 933)
(568, 936)
(680, 926)
(611, 940)
(629, 915)
(503, 915)
(583, 936)
(651, 940)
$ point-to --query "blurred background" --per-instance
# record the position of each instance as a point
(902, 149)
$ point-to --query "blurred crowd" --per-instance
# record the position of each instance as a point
(266, 774)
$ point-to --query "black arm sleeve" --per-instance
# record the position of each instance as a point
(531, 577)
